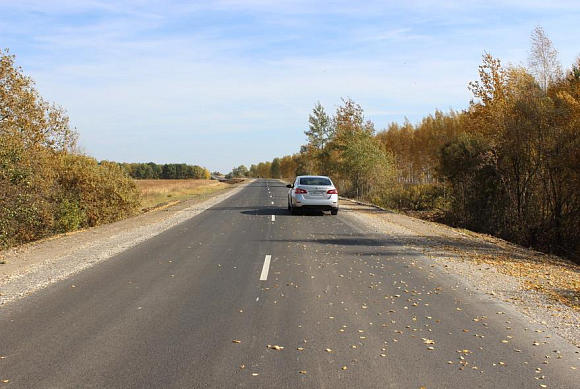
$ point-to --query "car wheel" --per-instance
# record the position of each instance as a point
(289, 207)
(293, 210)
(334, 211)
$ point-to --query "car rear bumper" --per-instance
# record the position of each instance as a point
(317, 204)
(317, 207)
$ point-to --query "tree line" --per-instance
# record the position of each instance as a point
(508, 165)
(168, 171)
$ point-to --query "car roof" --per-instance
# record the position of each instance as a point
(313, 177)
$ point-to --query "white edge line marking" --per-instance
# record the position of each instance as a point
(265, 268)
(273, 218)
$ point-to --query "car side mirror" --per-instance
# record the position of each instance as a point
(289, 186)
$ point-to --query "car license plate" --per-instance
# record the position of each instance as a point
(318, 192)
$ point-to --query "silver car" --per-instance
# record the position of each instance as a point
(316, 193)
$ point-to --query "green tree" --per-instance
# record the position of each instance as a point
(169, 171)
(367, 166)
(253, 172)
(240, 171)
(275, 168)
(320, 131)
(353, 136)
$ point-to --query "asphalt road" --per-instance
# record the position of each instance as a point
(342, 307)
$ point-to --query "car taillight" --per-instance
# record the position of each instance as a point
(300, 191)
(332, 191)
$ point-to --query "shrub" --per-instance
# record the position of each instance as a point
(103, 192)
(45, 187)
(70, 216)
(417, 197)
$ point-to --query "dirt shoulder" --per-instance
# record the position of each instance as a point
(32, 266)
(543, 287)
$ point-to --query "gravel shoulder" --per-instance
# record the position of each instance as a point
(545, 288)
(33, 266)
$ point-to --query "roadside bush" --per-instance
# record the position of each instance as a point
(25, 186)
(70, 216)
(417, 197)
(103, 193)
(45, 186)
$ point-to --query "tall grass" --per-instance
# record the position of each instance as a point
(156, 192)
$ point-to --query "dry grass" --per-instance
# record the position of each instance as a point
(155, 193)
(555, 277)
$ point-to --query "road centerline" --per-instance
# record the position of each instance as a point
(265, 268)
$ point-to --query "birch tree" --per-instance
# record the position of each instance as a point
(543, 59)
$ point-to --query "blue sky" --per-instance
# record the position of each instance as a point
(230, 82)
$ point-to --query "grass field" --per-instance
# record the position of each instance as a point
(158, 192)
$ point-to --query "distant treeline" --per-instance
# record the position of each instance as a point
(171, 171)
(509, 165)
(46, 185)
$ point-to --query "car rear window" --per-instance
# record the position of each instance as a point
(315, 181)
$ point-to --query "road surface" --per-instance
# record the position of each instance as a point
(247, 295)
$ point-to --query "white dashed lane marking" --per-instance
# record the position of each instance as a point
(265, 268)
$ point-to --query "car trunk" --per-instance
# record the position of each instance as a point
(316, 192)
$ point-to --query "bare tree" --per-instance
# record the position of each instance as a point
(543, 59)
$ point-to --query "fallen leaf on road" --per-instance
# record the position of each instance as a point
(236, 341)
